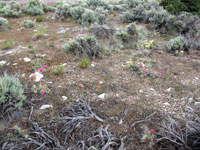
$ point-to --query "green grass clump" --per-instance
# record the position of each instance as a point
(7, 45)
(3, 24)
(41, 31)
(39, 19)
(59, 70)
(84, 63)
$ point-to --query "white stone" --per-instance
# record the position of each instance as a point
(102, 96)
(169, 89)
(64, 64)
(64, 98)
(167, 104)
(8, 64)
(100, 82)
(151, 89)
(2, 63)
(23, 75)
(49, 82)
(14, 64)
(27, 59)
(141, 91)
(190, 100)
(93, 65)
(45, 107)
(37, 76)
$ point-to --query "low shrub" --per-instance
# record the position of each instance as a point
(123, 36)
(102, 31)
(89, 17)
(11, 9)
(63, 11)
(41, 31)
(37, 7)
(175, 44)
(93, 4)
(27, 24)
(76, 13)
(2, 4)
(84, 63)
(3, 24)
(39, 19)
(11, 94)
(132, 29)
(84, 46)
(7, 45)
(59, 70)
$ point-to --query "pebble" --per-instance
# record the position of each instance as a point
(14, 64)
(169, 89)
(93, 65)
(100, 82)
(45, 107)
(27, 59)
(2, 63)
(197, 104)
(102, 96)
(167, 104)
(64, 98)
(190, 100)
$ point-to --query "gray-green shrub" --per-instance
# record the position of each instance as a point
(27, 24)
(93, 4)
(76, 13)
(86, 46)
(11, 94)
(11, 9)
(175, 44)
(63, 11)
(89, 17)
(3, 24)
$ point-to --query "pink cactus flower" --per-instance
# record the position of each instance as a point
(42, 92)
(146, 71)
(160, 73)
(152, 131)
(45, 66)
(141, 66)
(40, 69)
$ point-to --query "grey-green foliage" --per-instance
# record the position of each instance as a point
(11, 94)
(175, 44)
(93, 4)
(76, 13)
(11, 9)
(63, 11)
(37, 7)
(86, 46)
(2, 4)
(89, 17)
(27, 24)
(3, 24)
(132, 29)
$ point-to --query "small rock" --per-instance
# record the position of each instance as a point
(49, 82)
(2, 63)
(151, 89)
(167, 104)
(8, 64)
(27, 59)
(190, 100)
(23, 75)
(100, 82)
(93, 65)
(64, 64)
(14, 64)
(36, 76)
(102, 96)
(169, 89)
(45, 107)
(141, 91)
(64, 98)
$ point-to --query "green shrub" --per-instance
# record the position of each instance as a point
(2, 4)
(93, 4)
(76, 13)
(63, 11)
(89, 17)
(41, 31)
(84, 63)
(12, 9)
(132, 29)
(7, 45)
(123, 36)
(27, 24)
(175, 44)
(11, 94)
(3, 24)
(37, 7)
(84, 46)
(177, 6)
(59, 70)
(39, 19)
(127, 17)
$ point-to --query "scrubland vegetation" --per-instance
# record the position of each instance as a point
(100, 75)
